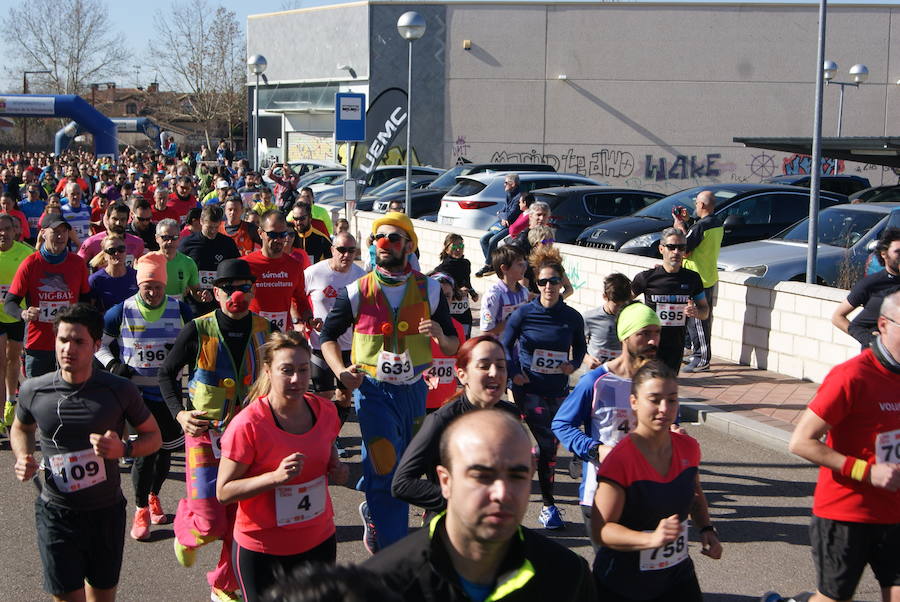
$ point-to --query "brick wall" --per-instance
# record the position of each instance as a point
(784, 327)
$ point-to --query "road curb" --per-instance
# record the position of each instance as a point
(735, 425)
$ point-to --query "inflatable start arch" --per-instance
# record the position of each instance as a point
(143, 125)
(106, 142)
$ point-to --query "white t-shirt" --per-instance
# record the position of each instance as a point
(322, 287)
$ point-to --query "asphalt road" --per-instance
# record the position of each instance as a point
(760, 500)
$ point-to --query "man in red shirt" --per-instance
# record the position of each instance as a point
(856, 514)
(183, 199)
(279, 277)
(49, 280)
(160, 208)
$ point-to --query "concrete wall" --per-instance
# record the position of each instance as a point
(783, 327)
(308, 43)
(654, 93)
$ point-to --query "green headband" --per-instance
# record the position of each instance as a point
(633, 318)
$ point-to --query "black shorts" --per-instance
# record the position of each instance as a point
(321, 377)
(14, 330)
(841, 550)
(78, 546)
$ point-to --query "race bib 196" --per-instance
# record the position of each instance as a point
(207, 277)
(49, 309)
(544, 361)
(668, 555)
(671, 314)
(887, 447)
(442, 367)
(394, 367)
(298, 503)
(79, 470)
(277, 318)
(148, 354)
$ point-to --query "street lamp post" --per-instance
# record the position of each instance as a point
(411, 26)
(25, 75)
(257, 64)
(860, 74)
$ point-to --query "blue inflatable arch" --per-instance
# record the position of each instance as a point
(106, 142)
(143, 125)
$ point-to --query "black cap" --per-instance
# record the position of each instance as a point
(53, 220)
(233, 269)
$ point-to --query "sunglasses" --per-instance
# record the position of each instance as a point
(547, 241)
(142, 219)
(393, 237)
(554, 280)
(675, 247)
(228, 289)
(114, 250)
(345, 250)
(168, 237)
(457, 247)
(273, 235)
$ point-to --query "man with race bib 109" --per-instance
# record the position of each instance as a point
(599, 403)
(138, 333)
(279, 277)
(222, 353)
(675, 293)
(394, 313)
(856, 515)
(81, 413)
(49, 280)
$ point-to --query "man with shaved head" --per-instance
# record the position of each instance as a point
(477, 549)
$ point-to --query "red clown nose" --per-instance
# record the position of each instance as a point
(238, 302)
(383, 243)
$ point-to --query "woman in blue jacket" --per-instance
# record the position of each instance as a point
(544, 342)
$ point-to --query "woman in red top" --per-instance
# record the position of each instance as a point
(278, 457)
(10, 205)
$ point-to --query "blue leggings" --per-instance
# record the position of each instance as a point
(389, 415)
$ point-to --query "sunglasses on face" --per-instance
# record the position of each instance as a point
(229, 289)
(554, 280)
(114, 250)
(457, 247)
(142, 219)
(273, 235)
(675, 247)
(345, 250)
(393, 237)
(168, 237)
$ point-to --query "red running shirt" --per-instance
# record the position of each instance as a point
(859, 399)
(278, 282)
(254, 439)
(49, 287)
(444, 368)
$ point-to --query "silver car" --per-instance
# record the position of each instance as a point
(847, 234)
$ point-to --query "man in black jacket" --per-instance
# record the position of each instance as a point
(505, 217)
(477, 549)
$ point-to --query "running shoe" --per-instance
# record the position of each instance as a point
(485, 271)
(185, 555)
(551, 518)
(575, 468)
(220, 595)
(140, 528)
(370, 540)
(9, 413)
(157, 516)
(696, 366)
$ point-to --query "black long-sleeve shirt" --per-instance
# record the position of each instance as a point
(422, 456)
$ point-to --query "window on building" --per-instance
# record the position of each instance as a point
(131, 108)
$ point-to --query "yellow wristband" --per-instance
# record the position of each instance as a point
(858, 472)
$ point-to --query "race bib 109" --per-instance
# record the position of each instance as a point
(75, 471)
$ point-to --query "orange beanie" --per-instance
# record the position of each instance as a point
(151, 266)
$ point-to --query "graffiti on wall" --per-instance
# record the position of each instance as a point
(802, 164)
(605, 162)
(460, 150)
(682, 167)
(573, 273)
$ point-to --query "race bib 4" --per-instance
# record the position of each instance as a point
(300, 503)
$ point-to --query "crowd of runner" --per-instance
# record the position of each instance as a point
(158, 304)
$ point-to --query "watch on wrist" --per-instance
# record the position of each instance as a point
(129, 445)
(594, 452)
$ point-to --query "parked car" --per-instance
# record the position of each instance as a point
(475, 200)
(842, 183)
(427, 201)
(366, 202)
(575, 208)
(749, 211)
(382, 173)
(845, 232)
(877, 194)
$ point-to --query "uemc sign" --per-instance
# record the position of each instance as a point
(385, 119)
(383, 139)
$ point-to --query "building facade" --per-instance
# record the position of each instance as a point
(647, 95)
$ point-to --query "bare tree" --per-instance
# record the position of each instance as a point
(73, 39)
(199, 50)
